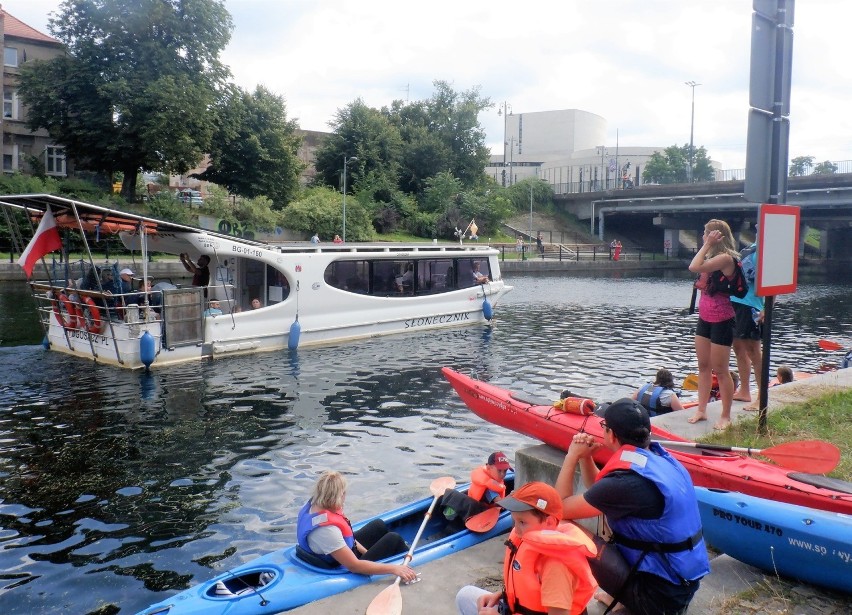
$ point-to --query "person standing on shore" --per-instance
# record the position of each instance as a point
(748, 330)
(714, 333)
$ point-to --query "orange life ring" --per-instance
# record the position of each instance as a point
(90, 316)
(65, 311)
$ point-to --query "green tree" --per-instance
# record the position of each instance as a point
(825, 168)
(364, 133)
(136, 88)
(254, 149)
(800, 165)
(672, 166)
(441, 134)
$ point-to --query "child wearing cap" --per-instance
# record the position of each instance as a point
(487, 483)
(546, 569)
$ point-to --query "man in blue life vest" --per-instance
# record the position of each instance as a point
(649, 502)
(546, 566)
(748, 329)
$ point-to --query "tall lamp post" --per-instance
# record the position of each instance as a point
(505, 111)
(346, 162)
(691, 84)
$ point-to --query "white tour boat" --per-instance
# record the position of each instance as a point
(309, 293)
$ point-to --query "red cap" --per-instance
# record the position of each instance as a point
(499, 460)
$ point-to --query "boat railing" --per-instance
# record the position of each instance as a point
(92, 310)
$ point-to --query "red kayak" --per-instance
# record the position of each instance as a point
(729, 471)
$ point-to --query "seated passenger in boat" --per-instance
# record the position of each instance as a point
(659, 397)
(147, 294)
(487, 485)
(326, 539)
(255, 304)
(406, 280)
(213, 309)
(478, 276)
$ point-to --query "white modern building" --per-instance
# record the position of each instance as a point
(568, 149)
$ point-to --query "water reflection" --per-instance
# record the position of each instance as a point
(117, 487)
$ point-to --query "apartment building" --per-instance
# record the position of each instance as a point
(25, 151)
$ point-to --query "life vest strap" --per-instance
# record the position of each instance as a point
(659, 547)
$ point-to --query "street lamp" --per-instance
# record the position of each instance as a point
(505, 111)
(691, 84)
(346, 161)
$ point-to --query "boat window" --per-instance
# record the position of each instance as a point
(400, 278)
(278, 288)
(464, 273)
(352, 276)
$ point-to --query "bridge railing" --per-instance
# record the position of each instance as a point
(720, 175)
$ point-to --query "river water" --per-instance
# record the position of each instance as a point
(119, 488)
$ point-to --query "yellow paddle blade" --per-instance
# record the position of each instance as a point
(690, 383)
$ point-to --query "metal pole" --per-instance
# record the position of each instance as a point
(531, 204)
(346, 162)
(691, 84)
(344, 198)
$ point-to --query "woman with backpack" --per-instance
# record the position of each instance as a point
(717, 263)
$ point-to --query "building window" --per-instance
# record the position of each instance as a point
(9, 106)
(54, 160)
(8, 163)
(10, 56)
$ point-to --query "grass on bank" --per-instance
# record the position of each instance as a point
(821, 418)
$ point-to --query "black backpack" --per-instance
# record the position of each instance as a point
(735, 285)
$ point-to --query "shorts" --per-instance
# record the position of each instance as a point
(721, 333)
(744, 326)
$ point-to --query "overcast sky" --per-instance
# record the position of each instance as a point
(625, 60)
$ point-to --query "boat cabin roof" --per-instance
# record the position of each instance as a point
(79, 214)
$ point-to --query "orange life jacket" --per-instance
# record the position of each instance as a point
(481, 481)
(524, 557)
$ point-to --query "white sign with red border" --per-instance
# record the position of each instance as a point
(778, 249)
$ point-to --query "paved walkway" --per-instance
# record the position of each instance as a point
(481, 565)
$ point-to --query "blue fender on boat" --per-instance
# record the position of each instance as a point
(487, 310)
(147, 349)
(45, 343)
(295, 332)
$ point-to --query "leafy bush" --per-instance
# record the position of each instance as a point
(320, 211)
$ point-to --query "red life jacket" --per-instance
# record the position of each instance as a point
(525, 556)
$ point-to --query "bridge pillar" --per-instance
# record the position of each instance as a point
(671, 241)
(839, 243)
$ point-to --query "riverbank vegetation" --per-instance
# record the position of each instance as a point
(821, 418)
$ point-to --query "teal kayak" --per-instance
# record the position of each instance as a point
(281, 580)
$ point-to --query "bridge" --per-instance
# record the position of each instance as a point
(662, 212)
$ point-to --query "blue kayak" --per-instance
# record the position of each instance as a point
(282, 580)
(802, 543)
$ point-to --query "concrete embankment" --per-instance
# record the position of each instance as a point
(482, 565)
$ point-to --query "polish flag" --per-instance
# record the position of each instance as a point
(45, 241)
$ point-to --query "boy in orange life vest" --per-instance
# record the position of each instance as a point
(486, 485)
(546, 569)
